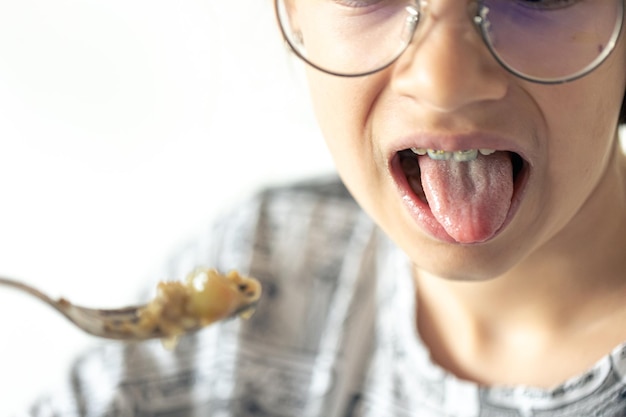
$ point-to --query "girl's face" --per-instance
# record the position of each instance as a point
(553, 147)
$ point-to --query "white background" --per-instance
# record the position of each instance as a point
(125, 125)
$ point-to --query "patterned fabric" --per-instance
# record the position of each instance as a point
(333, 335)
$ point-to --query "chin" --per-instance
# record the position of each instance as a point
(463, 263)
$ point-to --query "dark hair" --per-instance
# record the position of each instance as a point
(622, 112)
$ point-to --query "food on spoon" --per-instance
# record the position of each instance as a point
(203, 298)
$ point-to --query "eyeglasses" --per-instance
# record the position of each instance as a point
(545, 41)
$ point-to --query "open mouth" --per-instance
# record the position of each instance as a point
(461, 196)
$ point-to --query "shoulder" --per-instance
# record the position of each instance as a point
(324, 187)
(301, 216)
(316, 198)
(287, 214)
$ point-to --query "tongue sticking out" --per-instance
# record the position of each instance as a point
(469, 199)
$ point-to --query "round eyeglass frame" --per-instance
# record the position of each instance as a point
(480, 23)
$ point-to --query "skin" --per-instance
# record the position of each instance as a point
(543, 298)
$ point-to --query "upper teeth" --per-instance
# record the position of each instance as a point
(460, 156)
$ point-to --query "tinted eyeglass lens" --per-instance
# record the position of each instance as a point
(551, 40)
(347, 37)
(540, 40)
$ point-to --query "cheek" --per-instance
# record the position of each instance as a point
(580, 138)
(581, 118)
(582, 131)
(343, 108)
(338, 105)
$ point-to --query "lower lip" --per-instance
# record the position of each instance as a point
(423, 216)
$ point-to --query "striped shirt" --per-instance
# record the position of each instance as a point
(333, 336)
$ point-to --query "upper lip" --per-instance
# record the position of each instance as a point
(457, 142)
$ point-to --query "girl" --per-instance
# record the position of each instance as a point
(473, 265)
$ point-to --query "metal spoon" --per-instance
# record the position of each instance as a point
(125, 323)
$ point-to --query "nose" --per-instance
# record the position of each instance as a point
(447, 66)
